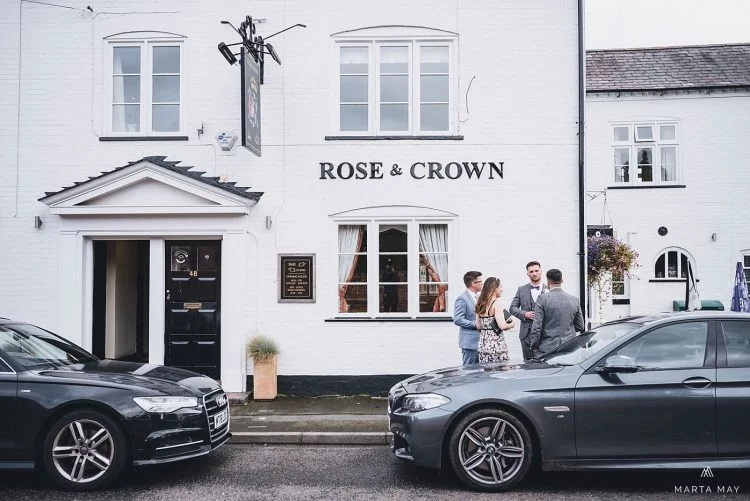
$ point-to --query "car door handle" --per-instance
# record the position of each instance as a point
(697, 382)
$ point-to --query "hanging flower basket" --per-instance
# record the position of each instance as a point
(607, 258)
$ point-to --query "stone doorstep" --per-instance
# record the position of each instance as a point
(237, 398)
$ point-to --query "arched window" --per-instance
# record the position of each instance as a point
(672, 263)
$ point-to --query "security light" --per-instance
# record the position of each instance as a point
(273, 53)
(227, 53)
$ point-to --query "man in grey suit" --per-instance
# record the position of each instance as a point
(557, 317)
(522, 305)
(464, 316)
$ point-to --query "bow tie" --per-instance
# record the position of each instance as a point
(534, 287)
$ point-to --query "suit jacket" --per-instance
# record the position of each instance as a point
(464, 315)
(523, 302)
(557, 317)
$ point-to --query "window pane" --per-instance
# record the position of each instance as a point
(667, 132)
(671, 347)
(618, 288)
(684, 266)
(433, 60)
(659, 267)
(622, 165)
(393, 298)
(353, 89)
(394, 60)
(166, 117)
(354, 60)
(394, 117)
(126, 89)
(434, 117)
(645, 164)
(672, 264)
(432, 298)
(394, 88)
(393, 238)
(355, 299)
(746, 260)
(166, 60)
(737, 341)
(166, 89)
(126, 118)
(353, 117)
(622, 133)
(352, 238)
(668, 163)
(644, 133)
(126, 60)
(354, 267)
(433, 88)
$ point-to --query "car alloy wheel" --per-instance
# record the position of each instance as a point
(491, 450)
(84, 450)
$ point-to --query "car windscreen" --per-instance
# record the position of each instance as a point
(34, 348)
(588, 344)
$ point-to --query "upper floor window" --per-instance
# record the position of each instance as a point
(396, 86)
(392, 267)
(645, 153)
(673, 264)
(146, 81)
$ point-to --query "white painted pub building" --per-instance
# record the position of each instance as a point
(402, 144)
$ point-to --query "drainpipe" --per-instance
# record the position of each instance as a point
(581, 171)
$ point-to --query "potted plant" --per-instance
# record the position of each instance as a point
(264, 353)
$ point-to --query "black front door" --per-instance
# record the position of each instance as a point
(192, 320)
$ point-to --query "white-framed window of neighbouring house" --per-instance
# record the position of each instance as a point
(145, 86)
(402, 86)
(672, 263)
(393, 268)
(645, 153)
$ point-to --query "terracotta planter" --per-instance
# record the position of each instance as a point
(264, 379)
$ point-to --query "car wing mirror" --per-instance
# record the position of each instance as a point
(618, 364)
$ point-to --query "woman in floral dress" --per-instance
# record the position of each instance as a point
(491, 323)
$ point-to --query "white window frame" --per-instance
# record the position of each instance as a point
(680, 252)
(415, 43)
(745, 259)
(636, 143)
(146, 45)
(413, 279)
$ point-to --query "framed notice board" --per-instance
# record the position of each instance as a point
(296, 278)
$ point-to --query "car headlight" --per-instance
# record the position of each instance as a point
(423, 401)
(165, 404)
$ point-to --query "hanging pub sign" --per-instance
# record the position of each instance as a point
(250, 102)
(296, 278)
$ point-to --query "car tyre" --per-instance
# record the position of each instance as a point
(84, 450)
(490, 450)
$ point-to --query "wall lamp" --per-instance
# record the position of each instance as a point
(256, 46)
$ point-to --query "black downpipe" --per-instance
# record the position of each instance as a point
(581, 171)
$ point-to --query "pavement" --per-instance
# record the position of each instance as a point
(340, 420)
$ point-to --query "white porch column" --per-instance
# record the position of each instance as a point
(156, 303)
(71, 294)
(233, 305)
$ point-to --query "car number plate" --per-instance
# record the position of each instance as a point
(221, 418)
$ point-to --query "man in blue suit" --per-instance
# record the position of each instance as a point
(464, 315)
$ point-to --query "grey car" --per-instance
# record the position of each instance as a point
(661, 391)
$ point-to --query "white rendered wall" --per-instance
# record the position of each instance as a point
(517, 103)
(713, 168)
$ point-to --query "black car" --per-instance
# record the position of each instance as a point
(661, 391)
(84, 420)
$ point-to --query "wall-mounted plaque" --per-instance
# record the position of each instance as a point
(296, 278)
